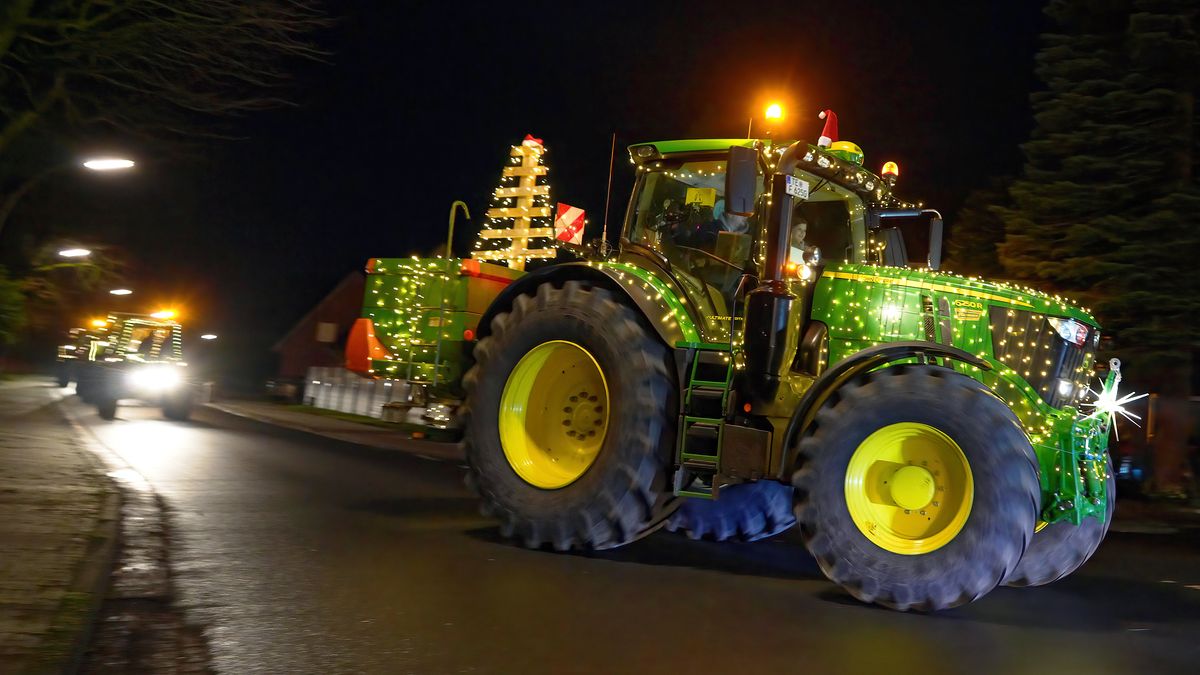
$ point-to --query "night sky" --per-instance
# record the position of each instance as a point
(419, 102)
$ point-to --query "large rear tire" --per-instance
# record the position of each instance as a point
(1058, 549)
(917, 488)
(570, 421)
(741, 512)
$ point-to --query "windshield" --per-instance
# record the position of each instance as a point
(679, 211)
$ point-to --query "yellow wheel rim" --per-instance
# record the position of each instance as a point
(554, 414)
(909, 488)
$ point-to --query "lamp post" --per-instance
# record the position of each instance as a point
(74, 253)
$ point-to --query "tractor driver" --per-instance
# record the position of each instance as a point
(800, 250)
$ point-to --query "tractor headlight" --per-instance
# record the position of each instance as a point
(155, 378)
(1069, 330)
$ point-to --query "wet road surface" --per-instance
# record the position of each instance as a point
(299, 554)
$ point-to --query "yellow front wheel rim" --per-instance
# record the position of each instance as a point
(909, 488)
(554, 414)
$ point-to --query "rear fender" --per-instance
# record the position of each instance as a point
(654, 297)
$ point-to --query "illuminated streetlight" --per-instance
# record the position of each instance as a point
(74, 253)
(108, 164)
(121, 291)
(208, 336)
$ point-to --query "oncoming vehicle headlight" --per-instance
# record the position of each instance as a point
(155, 378)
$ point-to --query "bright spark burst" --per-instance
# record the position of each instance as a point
(1109, 405)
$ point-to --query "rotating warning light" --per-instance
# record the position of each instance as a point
(164, 314)
(774, 112)
(99, 323)
(891, 169)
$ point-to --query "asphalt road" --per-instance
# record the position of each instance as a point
(298, 554)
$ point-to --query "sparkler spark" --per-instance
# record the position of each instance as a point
(1108, 404)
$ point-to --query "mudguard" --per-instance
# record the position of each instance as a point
(653, 296)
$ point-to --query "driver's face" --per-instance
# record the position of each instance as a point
(799, 231)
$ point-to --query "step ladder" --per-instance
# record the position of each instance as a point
(705, 399)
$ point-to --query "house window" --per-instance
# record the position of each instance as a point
(326, 332)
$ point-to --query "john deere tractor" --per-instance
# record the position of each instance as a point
(770, 344)
(135, 356)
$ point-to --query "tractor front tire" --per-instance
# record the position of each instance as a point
(1059, 549)
(106, 406)
(916, 488)
(570, 421)
(741, 512)
(177, 406)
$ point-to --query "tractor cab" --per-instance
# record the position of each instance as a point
(711, 229)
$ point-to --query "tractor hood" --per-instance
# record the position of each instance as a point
(971, 288)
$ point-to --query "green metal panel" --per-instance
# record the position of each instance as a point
(418, 308)
(675, 308)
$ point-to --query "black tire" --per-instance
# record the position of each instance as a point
(106, 406)
(1061, 548)
(85, 387)
(625, 491)
(1003, 467)
(741, 512)
(177, 406)
(62, 376)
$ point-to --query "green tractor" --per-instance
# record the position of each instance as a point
(136, 356)
(770, 345)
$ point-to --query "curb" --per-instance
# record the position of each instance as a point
(93, 579)
(95, 575)
(454, 451)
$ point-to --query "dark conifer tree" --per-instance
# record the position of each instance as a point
(1108, 206)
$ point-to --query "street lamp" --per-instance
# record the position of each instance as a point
(74, 253)
(9, 201)
(108, 164)
(208, 336)
(120, 291)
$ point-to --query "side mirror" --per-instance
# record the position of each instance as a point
(741, 176)
(935, 242)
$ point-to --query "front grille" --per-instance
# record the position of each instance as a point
(1027, 343)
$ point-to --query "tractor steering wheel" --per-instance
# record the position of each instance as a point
(710, 255)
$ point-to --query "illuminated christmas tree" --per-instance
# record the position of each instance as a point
(520, 226)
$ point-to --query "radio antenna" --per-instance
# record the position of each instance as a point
(608, 196)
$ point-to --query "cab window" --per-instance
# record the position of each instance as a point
(679, 211)
(831, 221)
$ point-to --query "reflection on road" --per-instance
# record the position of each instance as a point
(303, 554)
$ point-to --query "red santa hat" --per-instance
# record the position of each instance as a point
(830, 133)
(531, 141)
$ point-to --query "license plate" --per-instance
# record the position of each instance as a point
(796, 187)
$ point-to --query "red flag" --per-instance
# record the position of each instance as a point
(568, 224)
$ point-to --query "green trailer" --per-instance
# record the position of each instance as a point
(771, 345)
